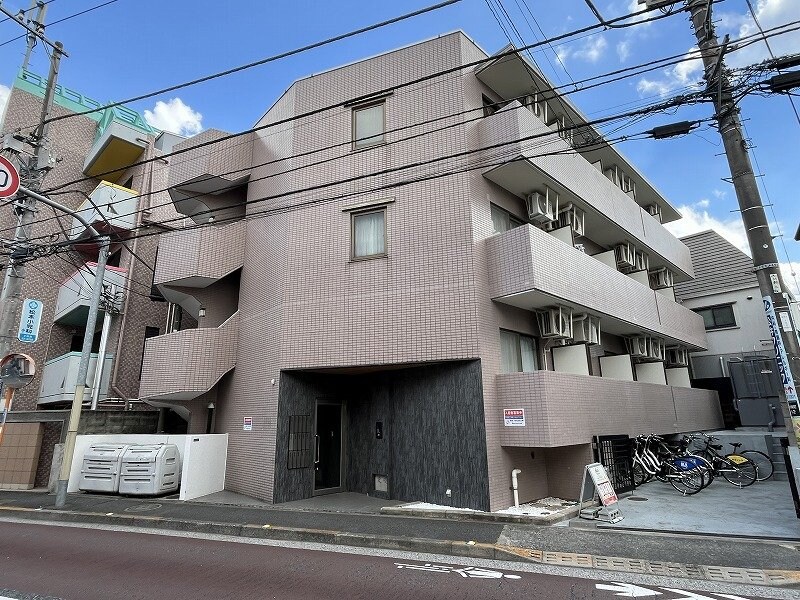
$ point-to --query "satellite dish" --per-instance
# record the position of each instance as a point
(17, 370)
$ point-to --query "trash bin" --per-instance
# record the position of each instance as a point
(101, 466)
(149, 470)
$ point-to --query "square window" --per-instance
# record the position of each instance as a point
(716, 317)
(368, 125)
(518, 353)
(369, 234)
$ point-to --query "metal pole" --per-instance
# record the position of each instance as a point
(765, 258)
(25, 206)
(101, 358)
(38, 24)
(83, 371)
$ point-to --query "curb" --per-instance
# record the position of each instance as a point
(460, 515)
(469, 549)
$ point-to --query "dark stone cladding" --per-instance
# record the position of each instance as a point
(434, 434)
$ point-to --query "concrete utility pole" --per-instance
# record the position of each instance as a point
(37, 24)
(32, 174)
(765, 259)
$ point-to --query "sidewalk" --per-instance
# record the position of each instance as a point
(768, 563)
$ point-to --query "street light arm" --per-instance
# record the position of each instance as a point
(61, 207)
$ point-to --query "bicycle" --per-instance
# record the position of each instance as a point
(653, 458)
(764, 465)
(737, 470)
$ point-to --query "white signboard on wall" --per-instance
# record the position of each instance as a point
(514, 417)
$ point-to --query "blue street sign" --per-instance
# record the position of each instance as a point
(29, 320)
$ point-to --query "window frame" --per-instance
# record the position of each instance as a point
(712, 308)
(364, 144)
(518, 347)
(513, 220)
(353, 216)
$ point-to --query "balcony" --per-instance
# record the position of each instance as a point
(186, 364)
(61, 374)
(562, 409)
(72, 304)
(612, 216)
(208, 181)
(110, 208)
(120, 141)
(532, 269)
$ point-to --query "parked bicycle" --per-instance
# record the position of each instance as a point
(735, 468)
(653, 457)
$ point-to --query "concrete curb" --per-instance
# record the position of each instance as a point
(460, 515)
(469, 549)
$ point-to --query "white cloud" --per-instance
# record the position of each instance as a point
(688, 72)
(696, 219)
(770, 13)
(624, 50)
(5, 91)
(175, 116)
(591, 50)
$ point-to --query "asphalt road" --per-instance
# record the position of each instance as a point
(85, 564)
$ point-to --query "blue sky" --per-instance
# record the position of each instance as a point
(134, 46)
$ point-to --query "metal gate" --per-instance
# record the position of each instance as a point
(614, 453)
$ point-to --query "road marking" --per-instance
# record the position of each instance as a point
(471, 572)
(628, 590)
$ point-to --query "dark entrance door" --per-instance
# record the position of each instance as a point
(328, 456)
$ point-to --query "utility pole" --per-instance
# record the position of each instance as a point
(37, 24)
(765, 258)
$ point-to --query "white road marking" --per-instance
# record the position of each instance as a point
(472, 572)
(627, 590)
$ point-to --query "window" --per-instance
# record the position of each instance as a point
(517, 352)
(716, 317)
(489, 106)
(368, 125)
(369, 234)
(502, 220)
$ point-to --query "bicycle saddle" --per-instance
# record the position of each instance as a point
(735, 444)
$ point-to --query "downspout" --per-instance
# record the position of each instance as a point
(144, 204)
(515, 487)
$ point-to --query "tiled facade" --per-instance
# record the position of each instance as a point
(445, 288)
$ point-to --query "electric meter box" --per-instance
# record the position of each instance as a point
(150, 470)
(101, 467)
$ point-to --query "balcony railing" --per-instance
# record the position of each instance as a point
(577, 407)
(532, 269)
(72, 305)
(611, 215)
(188, 363)
(60, 375)
(110, 208)
(199, 257)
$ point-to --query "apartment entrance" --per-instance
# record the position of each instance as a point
(328, 450)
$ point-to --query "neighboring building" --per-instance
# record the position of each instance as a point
(364, 326)
(87, 147)
(740, 360)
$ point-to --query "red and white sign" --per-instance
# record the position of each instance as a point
(9, 178)
(514, 417)
(602, 484)
(248, 424)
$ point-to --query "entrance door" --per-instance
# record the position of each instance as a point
(328, 451)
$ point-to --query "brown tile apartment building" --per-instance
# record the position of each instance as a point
(376, 283)
(93, 153)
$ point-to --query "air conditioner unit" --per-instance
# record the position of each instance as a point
(641, 261)
(586, 328)
(637, 346)
(661, 278)
(654, 210)
(655, 348)
(542, 206)
(677, 356)
(625, 255)
(574, 217)
(555, 322)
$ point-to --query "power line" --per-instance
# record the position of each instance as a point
(269, 59)
(24, 11)
(78, 14)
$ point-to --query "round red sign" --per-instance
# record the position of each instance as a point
(9, 178)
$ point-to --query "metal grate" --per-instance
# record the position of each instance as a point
(300, 437)
(614, 452)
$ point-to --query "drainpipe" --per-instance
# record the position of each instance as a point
(101, 358)
(514, 486)
(144, 203)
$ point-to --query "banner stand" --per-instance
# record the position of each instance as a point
(596, 481)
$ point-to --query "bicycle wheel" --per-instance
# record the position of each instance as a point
(738, 470)
(709, 457)
(688, 483)
(764, 465)
(640, 476)
(702, 464)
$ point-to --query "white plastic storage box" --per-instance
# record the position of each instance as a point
(101, 467)
(151, 469)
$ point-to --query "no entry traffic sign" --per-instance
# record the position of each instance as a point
(9, 178)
